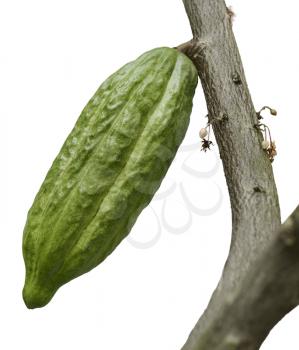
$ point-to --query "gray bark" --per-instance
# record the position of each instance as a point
(269, 291)
(246, 303)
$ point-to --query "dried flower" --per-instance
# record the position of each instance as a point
(265, 144)
(203, 133)
(272, 151)
(206, 144)
(230, 13)
(271, 110)
(268, 144)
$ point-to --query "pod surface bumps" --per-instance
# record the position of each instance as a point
(107, 171)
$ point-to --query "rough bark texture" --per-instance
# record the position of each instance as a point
(247, 302)
(269, 292)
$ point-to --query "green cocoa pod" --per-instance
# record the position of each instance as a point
(107, 171)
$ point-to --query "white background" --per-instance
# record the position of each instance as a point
(53, 56)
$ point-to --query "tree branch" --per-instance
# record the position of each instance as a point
(269, 292)
(251, 185)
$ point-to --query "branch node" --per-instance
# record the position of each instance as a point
(259, 189)
(231, 14)
(223, 117)
(186, 47)
(288, 236)
(193, 49)
(236, 78)
(232, 342)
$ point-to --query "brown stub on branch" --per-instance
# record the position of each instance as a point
(231, 14)
(194, 49)
(236, 79)
(185, 47)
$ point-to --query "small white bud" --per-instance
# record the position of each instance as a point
(203, 133)
(273, 111)
(265, 144)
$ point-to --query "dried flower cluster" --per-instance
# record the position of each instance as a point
(268, 144)
(204, 134)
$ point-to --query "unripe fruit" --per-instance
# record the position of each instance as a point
(107, 171)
